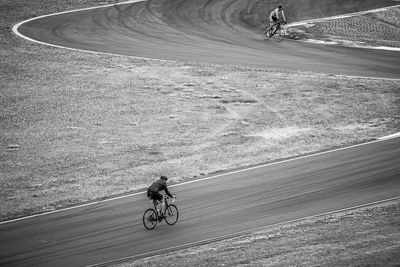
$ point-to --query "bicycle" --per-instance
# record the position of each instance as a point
(276, 30)
(151, 216)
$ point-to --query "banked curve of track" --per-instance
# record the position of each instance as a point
(209, 31)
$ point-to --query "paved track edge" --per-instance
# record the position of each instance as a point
(376, 140)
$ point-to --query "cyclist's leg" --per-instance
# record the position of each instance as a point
(156, 196)
(268, 28)
(274, 22)
(163, 206)
(160, 200)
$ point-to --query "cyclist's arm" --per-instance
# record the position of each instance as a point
(283, 16)
(167, 191)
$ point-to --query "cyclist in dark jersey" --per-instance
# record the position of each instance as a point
(153, 192)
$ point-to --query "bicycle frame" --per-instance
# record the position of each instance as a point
(276, 30)
(151, 216)
(156, 202)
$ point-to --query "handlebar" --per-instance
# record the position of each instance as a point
(167, 197)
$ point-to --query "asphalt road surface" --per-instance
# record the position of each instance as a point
(225, 31)
(217, 31)
(209, 208)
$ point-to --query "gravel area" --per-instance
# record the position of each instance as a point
(379, 29)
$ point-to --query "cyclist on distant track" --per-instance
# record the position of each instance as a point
(153, 192)
(276, 14)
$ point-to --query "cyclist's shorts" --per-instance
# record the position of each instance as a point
(154, 195)
(275, 19)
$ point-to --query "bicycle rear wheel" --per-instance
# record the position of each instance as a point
(171, 214)
(150, 219)
(266, 34)
(269, 32)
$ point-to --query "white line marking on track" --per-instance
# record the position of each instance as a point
(350, 44)
(395, 135)
(366, 77)
(16, 32)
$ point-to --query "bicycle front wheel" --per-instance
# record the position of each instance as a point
(280, 34)
(171, 214)
(150, 219)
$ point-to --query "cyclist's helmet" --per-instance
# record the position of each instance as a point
(163, 178)
(280, 6)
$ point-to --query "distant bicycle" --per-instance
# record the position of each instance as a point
(151, 216)
(276, 30)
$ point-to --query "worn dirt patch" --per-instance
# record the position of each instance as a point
(281, 133)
